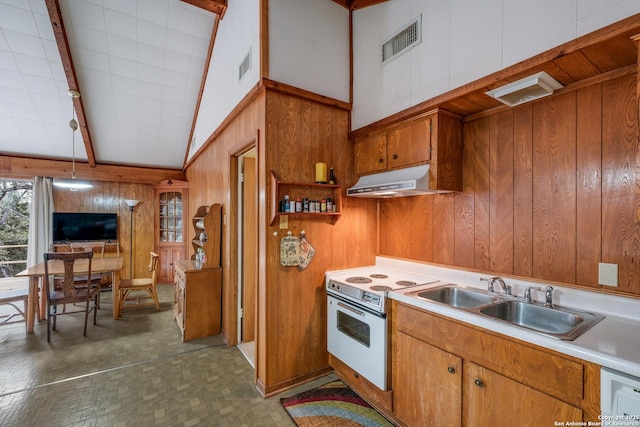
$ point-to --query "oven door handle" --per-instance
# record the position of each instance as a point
(348, 307)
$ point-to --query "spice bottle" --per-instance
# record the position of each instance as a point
(323, 205)
(332, 177)
(298, 204)
(286, 203)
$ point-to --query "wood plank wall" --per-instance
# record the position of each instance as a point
(109, 197)
(550, 190)
(301, 132)
(209, 180)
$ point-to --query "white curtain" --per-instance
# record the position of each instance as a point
(40, 233)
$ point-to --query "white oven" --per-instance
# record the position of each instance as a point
(358, 338)
(357, 317)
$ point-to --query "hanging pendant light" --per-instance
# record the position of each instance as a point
(72, 184)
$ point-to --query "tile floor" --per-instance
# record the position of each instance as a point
(131, 372)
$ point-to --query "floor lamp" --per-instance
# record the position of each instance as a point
(132, 204)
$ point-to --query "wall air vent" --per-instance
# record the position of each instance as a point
(244, 66)
(402, 41)
(526, 89)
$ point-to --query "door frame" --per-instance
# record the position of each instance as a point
(235, 245)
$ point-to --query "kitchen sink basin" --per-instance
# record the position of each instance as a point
(559, 322)
(457, 296)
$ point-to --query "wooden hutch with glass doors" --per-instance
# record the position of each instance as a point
(170, 237)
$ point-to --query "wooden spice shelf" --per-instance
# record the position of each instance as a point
(303, 189)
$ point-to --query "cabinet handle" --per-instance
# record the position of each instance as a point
(355, 375)
(394, 156)
(479, 382)
(451, 370)
(380, 160)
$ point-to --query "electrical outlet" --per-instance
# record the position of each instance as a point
(284, 222)
(608, 274)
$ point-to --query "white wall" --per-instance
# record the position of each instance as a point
(309, 46)
(238, 34)
(462, 41)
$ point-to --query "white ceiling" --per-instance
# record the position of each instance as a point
(139, 67)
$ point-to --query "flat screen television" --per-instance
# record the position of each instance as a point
(73, 226)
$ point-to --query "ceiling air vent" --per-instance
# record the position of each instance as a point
(526, 89)
(244, 66)
(402, 41)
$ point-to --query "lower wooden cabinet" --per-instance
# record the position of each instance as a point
(427, 384)
(447, 373)
(491, 399)
(197, 303)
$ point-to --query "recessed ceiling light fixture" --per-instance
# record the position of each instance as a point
(72, 184)
(527, 89)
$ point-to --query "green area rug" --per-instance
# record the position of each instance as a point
(331, 405)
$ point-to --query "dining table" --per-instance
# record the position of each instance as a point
(38, 305)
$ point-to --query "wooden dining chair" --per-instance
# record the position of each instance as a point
(12, 298)
(97, 279)
(70, 291)
(140, 292)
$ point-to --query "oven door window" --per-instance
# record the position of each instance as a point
(354, 328)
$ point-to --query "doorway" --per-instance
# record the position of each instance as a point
(247, 255)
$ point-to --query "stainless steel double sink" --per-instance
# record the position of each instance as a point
(554, 321)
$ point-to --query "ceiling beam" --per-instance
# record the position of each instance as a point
(27, 168)
(219, 7)
(357, 4)
(55, 15)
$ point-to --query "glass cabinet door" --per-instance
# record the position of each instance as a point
(170, 217)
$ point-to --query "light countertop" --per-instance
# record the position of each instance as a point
(614, 342)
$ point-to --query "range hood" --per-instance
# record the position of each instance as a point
(411, 181)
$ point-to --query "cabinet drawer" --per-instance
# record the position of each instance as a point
(543, 370)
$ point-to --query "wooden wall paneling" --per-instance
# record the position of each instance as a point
(420, 220)
(305, 133)
(109, 197)
(554, 190)
(395, 227)
(620, 193)
(523, 191)
(444, 228)
(268, 334)
(209, 177)
(359, 216)
(588, 184)
(501, 192)
(464, 204)
(482, 201)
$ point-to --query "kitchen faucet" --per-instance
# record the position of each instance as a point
(527, 293)
(505, 288)
(549, 297)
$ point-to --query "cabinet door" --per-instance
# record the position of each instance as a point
(371, 154)
(170, 229)
(427, 384)
(491, 399)
(410, 144)
(168, 255)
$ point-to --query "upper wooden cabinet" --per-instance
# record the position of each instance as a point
(434, 138)
(371, 154)
(171, 204)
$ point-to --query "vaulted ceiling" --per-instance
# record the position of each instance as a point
(137, 64)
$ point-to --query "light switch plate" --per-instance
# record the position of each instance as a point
(608, 274)
(284, 222)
